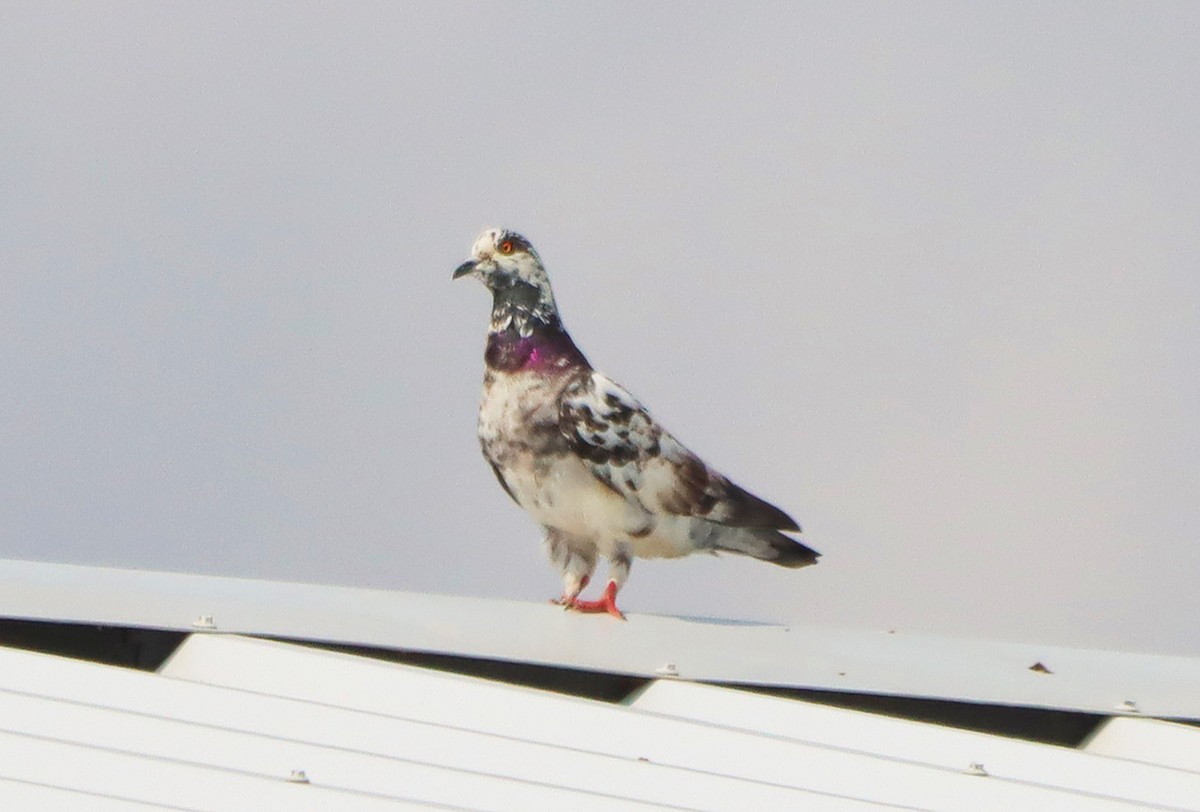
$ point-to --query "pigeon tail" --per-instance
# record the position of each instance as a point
(766, 545)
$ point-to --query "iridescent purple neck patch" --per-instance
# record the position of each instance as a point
(542, 351)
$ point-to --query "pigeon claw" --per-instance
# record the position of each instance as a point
(567, 599)
(606, 604)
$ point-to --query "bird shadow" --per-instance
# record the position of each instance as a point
(715, 621)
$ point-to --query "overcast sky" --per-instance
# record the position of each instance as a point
(925, 275)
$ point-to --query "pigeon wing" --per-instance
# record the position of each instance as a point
(633, 455)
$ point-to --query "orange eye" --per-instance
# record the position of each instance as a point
(506, 247)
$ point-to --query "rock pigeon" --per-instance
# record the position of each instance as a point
(584, 458)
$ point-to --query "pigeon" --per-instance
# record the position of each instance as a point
(585, 459)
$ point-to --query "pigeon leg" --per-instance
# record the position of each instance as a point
(575, 560)
(571, 589)
(618, 570)
(607, 603)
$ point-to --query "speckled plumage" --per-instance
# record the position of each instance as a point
(584, 458)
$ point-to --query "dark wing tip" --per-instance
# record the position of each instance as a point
(750, 511)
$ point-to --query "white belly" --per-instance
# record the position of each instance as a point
(563, 494)
(518, 430)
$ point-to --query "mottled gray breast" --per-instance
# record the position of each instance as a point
(518, 416)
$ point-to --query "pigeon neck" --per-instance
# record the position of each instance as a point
(526, 333)
(544, 350)
(523, 308)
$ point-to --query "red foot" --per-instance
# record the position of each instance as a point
(607, 603)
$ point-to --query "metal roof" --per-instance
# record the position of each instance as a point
(943, 748)
(1027, 675)
(235, 722)
(1148, 740)
(238, 723)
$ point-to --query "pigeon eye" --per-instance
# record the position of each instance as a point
(506, 247)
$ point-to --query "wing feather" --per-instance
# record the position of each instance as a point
(633, 455)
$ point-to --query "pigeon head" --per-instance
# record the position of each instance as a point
(509, 266)
(500, 258)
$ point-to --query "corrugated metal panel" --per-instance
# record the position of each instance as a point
(1002, 758)
(25, 795)
(96, 771)
(1149, 740)
(134, 736)
(234, 764)
(608, 732)
(714, 651)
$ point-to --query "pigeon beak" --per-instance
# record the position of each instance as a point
(466, 269)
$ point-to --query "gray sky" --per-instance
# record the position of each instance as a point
(924, 275)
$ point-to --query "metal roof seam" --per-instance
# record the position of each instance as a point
(309, 743)
(966, 769)
(581, 750)
(94, 795)
(351, 791)
(299, 710)
(272, 666)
